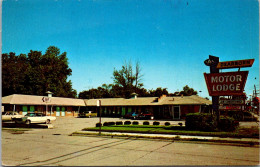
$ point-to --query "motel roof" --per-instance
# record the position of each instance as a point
(19, 99)
(150, 101)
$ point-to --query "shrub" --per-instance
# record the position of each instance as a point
(156, 123)
(180, 124)
(111, 123)
(127, 123)
(98, 124)
(135, 123)
(207, 122)
(146, 123)
(200, 121)
(167, 124)
(105, 124)
(119, 123)
(227, 124)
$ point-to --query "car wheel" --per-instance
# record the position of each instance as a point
(28, 122)
(48, 121)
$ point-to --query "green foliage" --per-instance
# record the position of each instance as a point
(158, 92)
(200, 121)
(228, 124)
(156, 123)
(36, 73)
(127, 79)
(146, 123)
(207, 122)
(111, 123)
(167, 123)
(135, 123)
(105, 124)
(98, 124)
(187, 91)
(119, 123)
(127, 123)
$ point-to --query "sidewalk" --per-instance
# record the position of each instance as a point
(247, 141)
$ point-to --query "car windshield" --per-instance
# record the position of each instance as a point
(30, 114)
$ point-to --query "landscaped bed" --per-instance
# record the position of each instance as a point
(176, 130)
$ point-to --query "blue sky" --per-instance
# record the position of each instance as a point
(170, 38)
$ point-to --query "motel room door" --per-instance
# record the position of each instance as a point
(63, 111)
(25, 110)
(32, 109)
(57, 111)
(176, 112)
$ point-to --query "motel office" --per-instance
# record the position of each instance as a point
(161, 107)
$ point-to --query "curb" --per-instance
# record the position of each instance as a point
(249, 142)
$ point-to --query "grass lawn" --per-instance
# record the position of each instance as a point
(176, 130)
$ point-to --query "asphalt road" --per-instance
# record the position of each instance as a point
(54, 147)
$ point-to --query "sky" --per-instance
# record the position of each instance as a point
(169, 38)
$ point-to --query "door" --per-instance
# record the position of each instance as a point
(123, 111)
(176, 112)
(63, 111)
(25, 110)
(32, 109)
(57, 111)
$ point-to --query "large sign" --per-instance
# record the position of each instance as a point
(235, 64)
(226, 84)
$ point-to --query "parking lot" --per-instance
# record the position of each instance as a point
(43, 147)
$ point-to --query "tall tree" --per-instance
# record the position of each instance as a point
(127, 79)
(187, 91)
(36, 73)
(158, 92)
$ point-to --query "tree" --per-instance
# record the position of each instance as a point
(187, 91)
(36, 73)
(158, 92)
(127, 80)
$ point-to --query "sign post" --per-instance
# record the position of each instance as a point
(99, 106)
(213, 70)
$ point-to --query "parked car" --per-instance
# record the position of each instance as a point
(131, 115)
(34, 118)
(146, 115)
(7, 116)
(88, 114)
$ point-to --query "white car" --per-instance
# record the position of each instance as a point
(34, 118)
(8, 116)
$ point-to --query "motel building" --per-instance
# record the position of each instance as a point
(56, 106)
(161, 107)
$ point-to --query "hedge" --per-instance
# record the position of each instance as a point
(146, 123)
(135, 123)
(208, 122)
(167, 123)
(127, 123)
(111, 123)
(119, 123)
(105, 124)
(98, 124)
(156, 123)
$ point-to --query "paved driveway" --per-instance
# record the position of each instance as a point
(43, 147)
